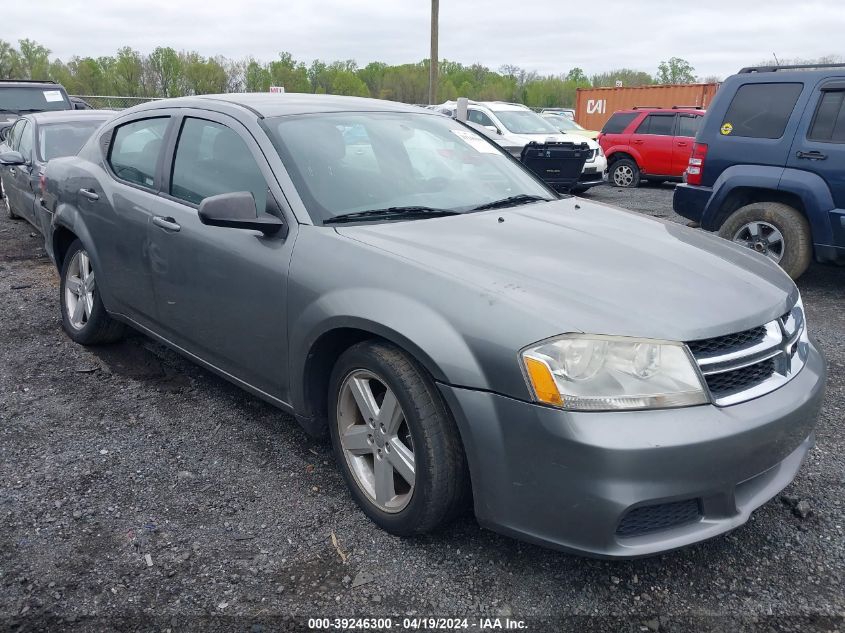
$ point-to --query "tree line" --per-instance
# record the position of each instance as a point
(166, 72)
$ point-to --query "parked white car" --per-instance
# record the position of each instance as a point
(515, 125)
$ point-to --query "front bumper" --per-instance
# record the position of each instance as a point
(570, 480)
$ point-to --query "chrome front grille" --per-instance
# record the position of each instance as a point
(744, 365)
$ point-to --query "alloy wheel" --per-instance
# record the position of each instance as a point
(376, 440)
(623, 176)
(762, 237)
(79, 290)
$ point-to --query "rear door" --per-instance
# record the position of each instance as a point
(118, 204)
(23, 175)
(8, 173)
(687, 128)
(819, 145)
(654, 140)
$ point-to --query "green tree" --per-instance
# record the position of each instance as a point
(10, 61)
(34, 60)
(257, 77)
(675, 71)
(203, 76)
(289, 74)
(127, 73)
(166, 68)
(577, 76)
(627, 76)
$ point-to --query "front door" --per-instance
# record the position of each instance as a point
(653, 141)
(221, 292)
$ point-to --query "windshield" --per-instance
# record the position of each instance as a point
(562, 123)
(32, 99)
(353, 162)
(65, 139)
(525, 122)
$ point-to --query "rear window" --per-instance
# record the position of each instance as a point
(618, 122)
(829, 122)
(658, 124)
(761, 110)
(23, 99)
(64, 139)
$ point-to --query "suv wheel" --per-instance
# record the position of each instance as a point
(625, 173)
(84, 317)
(394, 440)
(775, 230)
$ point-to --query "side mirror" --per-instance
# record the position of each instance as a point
(12, 158)
(4, 131)
(237, 211)
(493, 129)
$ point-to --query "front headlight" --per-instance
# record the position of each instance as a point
(593, 372)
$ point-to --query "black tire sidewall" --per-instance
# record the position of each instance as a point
(88, 334)
(794, 227)
(619, 163)
(405, 521)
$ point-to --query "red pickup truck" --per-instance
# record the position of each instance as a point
(649, 143)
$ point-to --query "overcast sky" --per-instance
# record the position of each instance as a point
(716, 36)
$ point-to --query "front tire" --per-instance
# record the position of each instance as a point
(84, 318)
(773, 229)
(624, 173)
(394, 440)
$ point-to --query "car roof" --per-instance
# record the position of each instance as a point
(267, 105)
(495, 106)
(649, 110)
(765, 74)
(67, 116)
(28, 83)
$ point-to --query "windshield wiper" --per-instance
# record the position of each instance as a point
(511, 201)
(390, 212)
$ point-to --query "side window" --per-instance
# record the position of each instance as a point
(476, 116)
(25, 142)
(688, 125)
(829, 122)
(135, 149)
(657, 124)
(14, 135)
(761, 110)
(618, 122)
(212, 159)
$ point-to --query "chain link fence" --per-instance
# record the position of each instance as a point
(110, 102)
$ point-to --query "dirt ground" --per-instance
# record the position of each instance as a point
(140, 492)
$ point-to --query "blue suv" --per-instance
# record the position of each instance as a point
(768, 165)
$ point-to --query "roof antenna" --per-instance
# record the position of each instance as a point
(777, 61)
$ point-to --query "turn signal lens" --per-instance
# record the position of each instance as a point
(542, 382)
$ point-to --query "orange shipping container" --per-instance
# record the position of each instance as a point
(593, 106)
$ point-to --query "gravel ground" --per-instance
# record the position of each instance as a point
(140, 492)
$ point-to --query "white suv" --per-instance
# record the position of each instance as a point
(515, 125)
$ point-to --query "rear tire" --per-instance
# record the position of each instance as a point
(776, 230)
(84, 317)
(624, 173)
(378, 453)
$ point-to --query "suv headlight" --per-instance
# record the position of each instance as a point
(593, 372)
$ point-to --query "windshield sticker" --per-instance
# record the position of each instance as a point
(727, 128)
(51, 96)
(474, 141)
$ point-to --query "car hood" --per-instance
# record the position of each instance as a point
(576, 265)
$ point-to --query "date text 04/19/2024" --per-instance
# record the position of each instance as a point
(417, 624)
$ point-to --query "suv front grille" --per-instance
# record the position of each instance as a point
(748, 364)
(662, 516)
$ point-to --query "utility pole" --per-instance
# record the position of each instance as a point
(433, 61)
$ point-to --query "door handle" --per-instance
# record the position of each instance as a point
(682, 144)
(637, 142)
(814, 155)
(89, 193)
(168, 224)
(12, 171)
